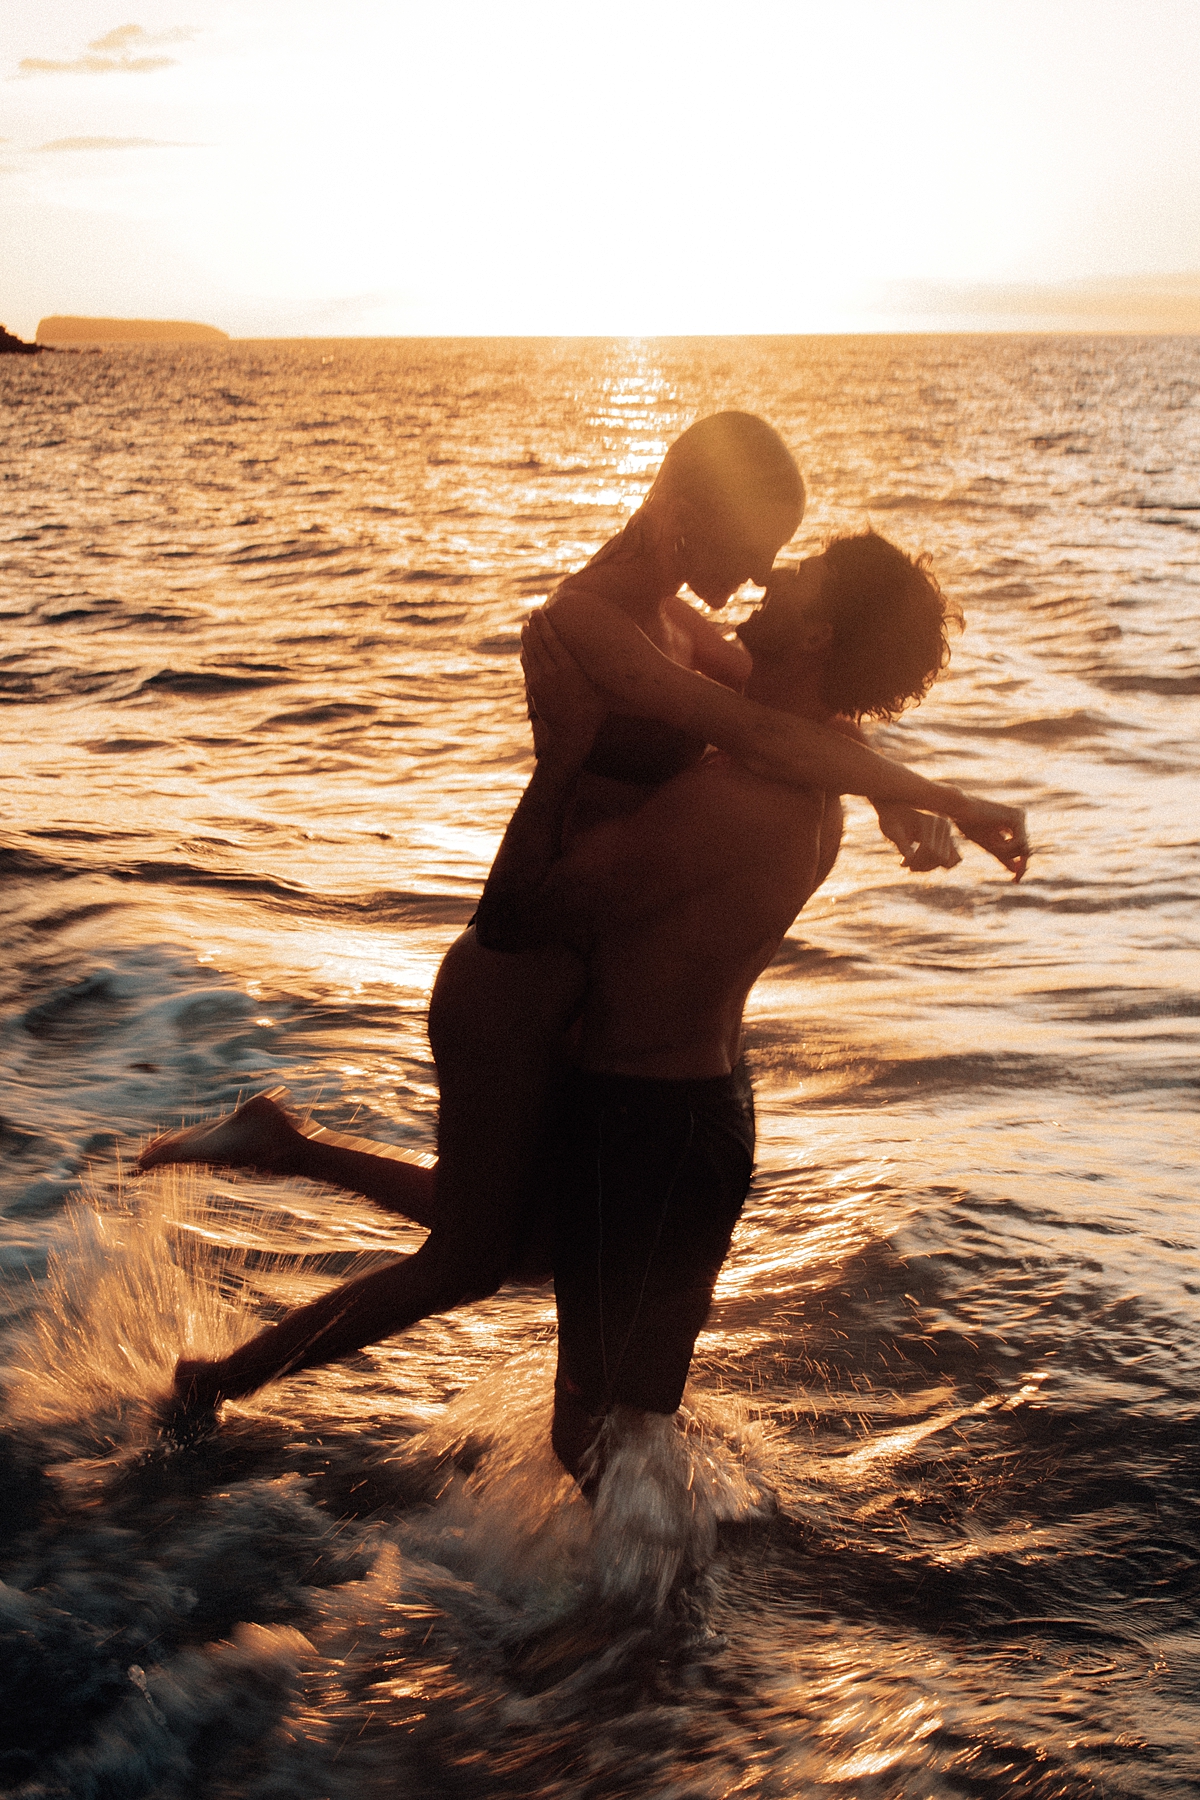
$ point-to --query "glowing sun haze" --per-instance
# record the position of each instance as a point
(635, 167)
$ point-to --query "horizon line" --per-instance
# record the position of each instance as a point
(386, 337)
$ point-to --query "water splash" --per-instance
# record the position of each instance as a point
(667, 1484)
(514, 1522)
(160, 1268)
(131, 1285)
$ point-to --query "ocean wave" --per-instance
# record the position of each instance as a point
(1184, 685)
(290, 550)
(211, 683)
(18, 688)
(428, 577)
(1118, 1005)
(1054, 729)
(1141, 899)
(328, 713)
(123, 746)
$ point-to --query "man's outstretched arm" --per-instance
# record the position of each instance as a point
(779, 746)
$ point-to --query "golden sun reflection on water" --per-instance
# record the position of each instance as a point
(950, 1363)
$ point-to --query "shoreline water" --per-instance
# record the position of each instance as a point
(264, 726)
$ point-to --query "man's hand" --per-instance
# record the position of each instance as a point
(923, 839)
(1000, 830)
(565, 710)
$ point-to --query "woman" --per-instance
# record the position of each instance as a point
(727, 498)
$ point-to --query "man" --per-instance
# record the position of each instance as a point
(677, 908)
(669, 962)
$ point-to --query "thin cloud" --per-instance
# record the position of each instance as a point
(128, 37)
(111, 143)
(117, 52)
(97, 65)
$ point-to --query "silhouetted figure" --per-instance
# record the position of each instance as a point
(501, 1058)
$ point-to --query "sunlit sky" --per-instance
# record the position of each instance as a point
(640, 166)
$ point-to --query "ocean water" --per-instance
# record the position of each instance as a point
(930, 1527)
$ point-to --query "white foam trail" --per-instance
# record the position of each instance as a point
(667, 1484)
(518, 1525)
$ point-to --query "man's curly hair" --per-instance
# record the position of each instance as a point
(890, 623)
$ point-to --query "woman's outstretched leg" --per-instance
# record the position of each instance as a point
(496, 1023)
(260, 1135)
(436, 1277)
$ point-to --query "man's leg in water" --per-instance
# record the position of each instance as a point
(495, 1023)
(650, 1177)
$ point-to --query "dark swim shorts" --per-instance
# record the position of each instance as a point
(648, 1179)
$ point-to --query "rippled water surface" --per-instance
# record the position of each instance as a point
(932, 1527)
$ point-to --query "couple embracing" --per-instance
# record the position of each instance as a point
(596, 1118)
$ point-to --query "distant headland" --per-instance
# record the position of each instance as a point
(15, 346)
(65, 331)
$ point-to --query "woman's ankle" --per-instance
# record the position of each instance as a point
(197, 1383)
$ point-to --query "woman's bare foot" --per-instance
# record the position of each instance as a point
(258, 1135)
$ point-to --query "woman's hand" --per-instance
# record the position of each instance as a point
(923, 839)
(565, 709)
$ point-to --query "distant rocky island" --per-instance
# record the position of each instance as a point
(76, 332)
(15, 346)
